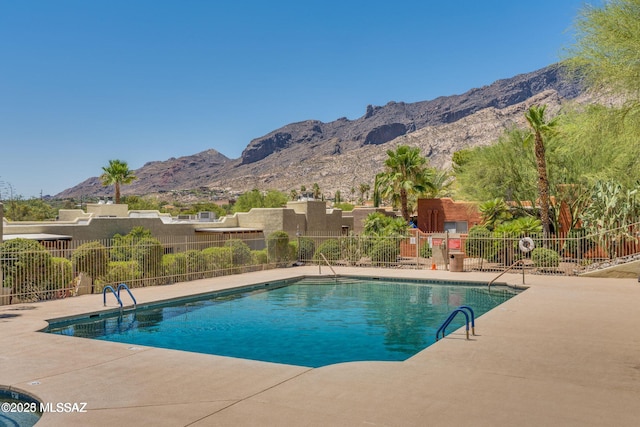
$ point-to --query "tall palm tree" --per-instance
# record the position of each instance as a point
(117, 173)
(404, 176)
(541, 128)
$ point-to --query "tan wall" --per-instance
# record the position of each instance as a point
(72, 215)
(302, 217)
(334, 221)
(112, 210)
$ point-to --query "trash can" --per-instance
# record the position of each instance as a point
(456, 262)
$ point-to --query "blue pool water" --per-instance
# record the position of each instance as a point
(306, 323)
(18, 409)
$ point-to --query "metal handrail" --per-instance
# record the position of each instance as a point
(454, 313)
(473, 318)
(126, 288)
(520, 261)
(327, 261)
(113, 291)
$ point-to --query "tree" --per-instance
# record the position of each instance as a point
(541, 128)
(255, 199)
(607, 46)
(404, 176)
(504, 169)
(117, 173)
(29, 210)
(364, 190)
(316, 190)
(494, 212)
(275, 199)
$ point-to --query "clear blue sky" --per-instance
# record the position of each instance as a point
(86, 81)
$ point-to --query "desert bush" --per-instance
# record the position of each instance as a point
(215, 258)
(121, 272)
(385, 251)
(174, 264)
(260, 257)
(545, 258)
(60, 277)
(91, 258)
(330, 249)
(148, 252)
(25, 267)
(240, 252)
(306, 248)
(278, 246)
(425, 250)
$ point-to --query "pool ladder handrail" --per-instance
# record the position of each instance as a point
(328, 263)
(520, 261)
(468, 312)
(117, 294)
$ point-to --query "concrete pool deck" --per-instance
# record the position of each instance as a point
(565, 352)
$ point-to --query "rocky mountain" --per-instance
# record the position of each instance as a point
(343, 153)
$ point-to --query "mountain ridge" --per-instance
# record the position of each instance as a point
(341, 154)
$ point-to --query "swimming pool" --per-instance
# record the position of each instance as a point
(18, 409)
(308, 322)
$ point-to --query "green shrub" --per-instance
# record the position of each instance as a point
(542, 257)
(91, 258)
(293, 251)
(174, 264)
(215, 258)
(25, 267)
(148, 252)
(260, 257)
(351, 248)
(330, 249)
(122, 272)
(306, 249)
(425, 250)
(240, 252)
(196, 261)
(278, 246)
(479, 243)
(384, 252)
(61, 275)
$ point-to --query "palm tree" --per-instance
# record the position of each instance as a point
(316, 190)
(404, 176)
(117, 173)
(364, 189)
(540, 129)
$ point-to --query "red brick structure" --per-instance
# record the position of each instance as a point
(458, 217)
